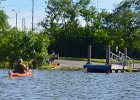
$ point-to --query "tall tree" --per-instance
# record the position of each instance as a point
(124, 21)
(63, 12)
(3, 20)
(62, 22)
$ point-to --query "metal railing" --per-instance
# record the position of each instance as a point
(114, 58)
(120, 59)
(129, 62)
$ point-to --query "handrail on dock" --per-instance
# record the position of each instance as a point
(120, 59)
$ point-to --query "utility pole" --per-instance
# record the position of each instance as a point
(16, 17)
(23, 24)
(32, 15)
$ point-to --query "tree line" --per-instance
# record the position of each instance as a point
(70, 37)
(15, 44)
(70, 26)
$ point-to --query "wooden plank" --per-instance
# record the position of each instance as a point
(115, 67)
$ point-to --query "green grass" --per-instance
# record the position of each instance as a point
(44, 67)
(72, 58)
(136, 61)
(70, 68)
(96, 60)
(129, 69)
(84, 59)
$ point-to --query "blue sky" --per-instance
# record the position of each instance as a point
(24, 8)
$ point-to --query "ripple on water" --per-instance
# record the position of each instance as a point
(70, 85)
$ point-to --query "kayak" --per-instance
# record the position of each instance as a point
(28, 73)
(55, 66)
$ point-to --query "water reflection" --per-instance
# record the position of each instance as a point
(70, 85)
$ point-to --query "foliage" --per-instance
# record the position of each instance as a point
(70, 37)
(129, 69)
(17, 44)
(45, 66)
(3, 21)
(124, 23)
(69, 27)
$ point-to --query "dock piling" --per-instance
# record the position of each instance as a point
(108, 55)
(89, 54)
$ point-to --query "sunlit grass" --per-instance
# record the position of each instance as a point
(84, 59)
(136, 61)
(96, 60)
(70, 68)
(129, 69)
(44, 67)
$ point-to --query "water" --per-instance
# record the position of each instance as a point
(70, 85)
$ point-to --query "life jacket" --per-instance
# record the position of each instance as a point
(19, 69)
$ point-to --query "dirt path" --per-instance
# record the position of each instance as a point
(137, 65)
(70, 63)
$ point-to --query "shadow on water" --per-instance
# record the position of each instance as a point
(70, 85)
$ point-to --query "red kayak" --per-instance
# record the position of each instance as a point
(28, 73)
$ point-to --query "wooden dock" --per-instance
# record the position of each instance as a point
(109, 68)
(120, 68)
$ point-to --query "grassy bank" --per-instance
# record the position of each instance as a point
(52, 66)
(96, 60)
(136, 61)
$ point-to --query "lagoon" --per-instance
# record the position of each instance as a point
(70, 85)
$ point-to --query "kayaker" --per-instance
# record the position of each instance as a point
(20, 67)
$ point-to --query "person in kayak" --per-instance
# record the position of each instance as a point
(20, 67)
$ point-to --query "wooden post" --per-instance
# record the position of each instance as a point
(89, 54)
(108, 55)
(125, 56)
(133, 63)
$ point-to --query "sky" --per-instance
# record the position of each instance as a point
(23, 8)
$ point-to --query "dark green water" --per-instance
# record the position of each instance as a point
(70, 85)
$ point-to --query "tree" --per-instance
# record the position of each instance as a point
(62, 23)
(100, 28)
(124, 23)
(3, 21)
(17, 44)
(3, 35)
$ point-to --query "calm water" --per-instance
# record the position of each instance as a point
(70, 85)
